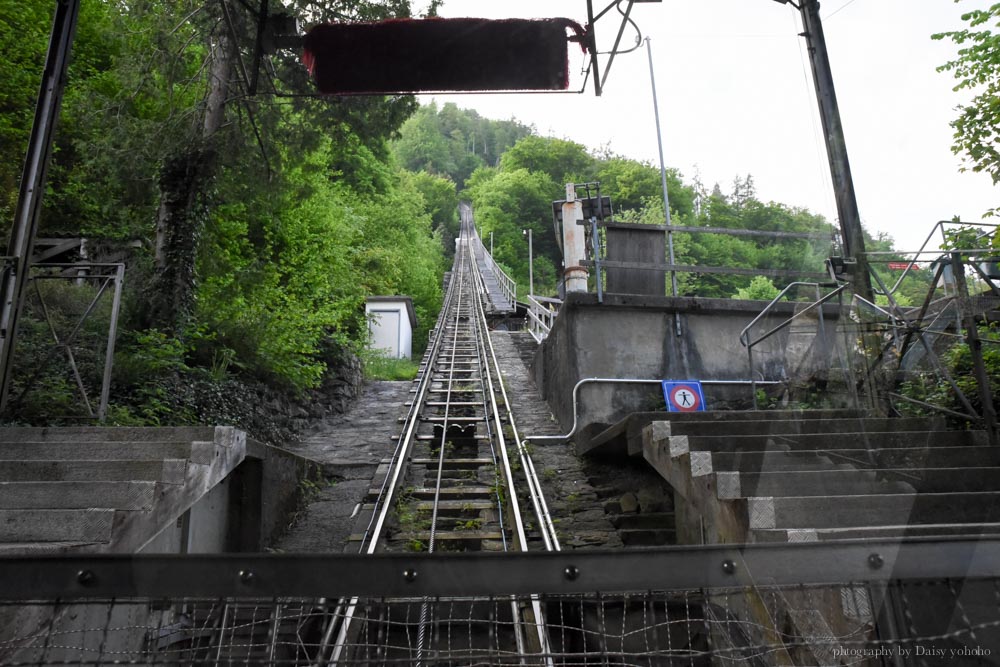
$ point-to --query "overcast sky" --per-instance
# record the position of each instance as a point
(736, 97)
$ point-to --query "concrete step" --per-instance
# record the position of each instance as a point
(77, 495)
(804, 426)
(904, 531)
(943, 480)
(828, 441)
(755, 415)
(982, 456)
(197, 451)
(18, 434)
(838, 482)
(872, 510)
(56, 525)
(915, 458)
(704, 463)
(168, 471)
(625, 437)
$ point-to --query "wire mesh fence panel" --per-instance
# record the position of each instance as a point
(922, 623)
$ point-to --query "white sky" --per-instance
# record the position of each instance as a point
(736, 97)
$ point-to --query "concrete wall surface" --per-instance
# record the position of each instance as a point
(281, 482)
(636, 337)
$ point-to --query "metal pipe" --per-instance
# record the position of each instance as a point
(109, 354)
(576, 389)
(663, 174)
(596, 243)
(744, 335)
(931, 406)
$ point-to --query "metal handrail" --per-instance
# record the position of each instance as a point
(745, 334)
(939, 225)
(507, 284)
(542, 315)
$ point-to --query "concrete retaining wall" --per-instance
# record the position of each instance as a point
(635, 337)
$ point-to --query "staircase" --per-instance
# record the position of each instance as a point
(105, 490)
(806, 477)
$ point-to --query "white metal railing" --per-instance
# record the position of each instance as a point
(542, 313)
(506, 284)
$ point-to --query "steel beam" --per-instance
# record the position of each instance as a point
(483, 574)
(836, 146)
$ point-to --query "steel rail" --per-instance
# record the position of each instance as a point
(461, 326)
(383, 504)
(495, 438)
(547, 529)
(544, 520)
(442, 452)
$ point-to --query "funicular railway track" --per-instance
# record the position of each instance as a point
(459, 480)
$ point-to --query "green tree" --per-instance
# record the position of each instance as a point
(977, 69)
(441, 201)
(760, 289)
(508, 202)
(562, 161)
(23, 36)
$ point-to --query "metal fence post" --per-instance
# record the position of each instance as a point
(975, 349)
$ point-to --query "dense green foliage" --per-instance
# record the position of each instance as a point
(977, 69)
(454, 142)
(934, 389)
(285, 212)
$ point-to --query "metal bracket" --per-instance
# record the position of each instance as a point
(591, 39)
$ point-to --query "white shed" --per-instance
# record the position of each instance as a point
(391, 322)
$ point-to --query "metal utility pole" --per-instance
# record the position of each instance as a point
(663, 172)
(836, 147)
(14, 277)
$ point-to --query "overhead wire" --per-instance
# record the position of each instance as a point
(839, 9)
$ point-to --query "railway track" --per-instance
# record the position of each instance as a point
(459, 480)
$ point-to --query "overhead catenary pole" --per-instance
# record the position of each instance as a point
(836, 146)
(663, 171)
(14, 277)
(663, 184)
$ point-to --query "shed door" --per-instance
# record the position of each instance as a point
(385, 331)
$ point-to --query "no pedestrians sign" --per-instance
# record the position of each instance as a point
(683, 396)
